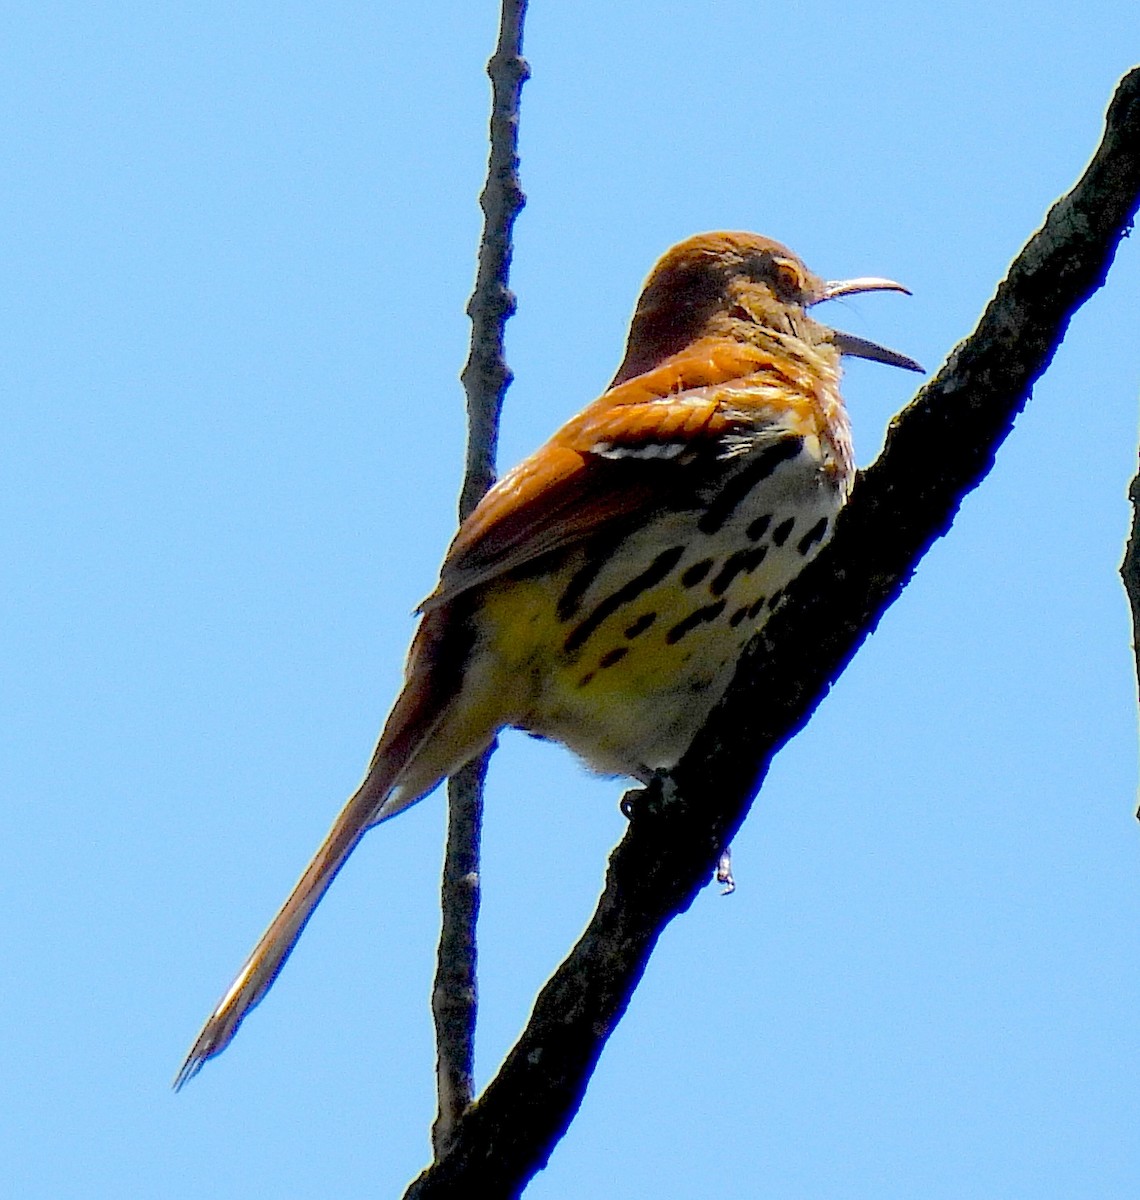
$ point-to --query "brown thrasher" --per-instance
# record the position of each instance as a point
(602, 592)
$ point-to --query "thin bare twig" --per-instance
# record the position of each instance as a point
(486, 378)
(939, 448)
(1130, 574)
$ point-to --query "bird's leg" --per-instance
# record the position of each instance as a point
(639, 800)
(635, 800)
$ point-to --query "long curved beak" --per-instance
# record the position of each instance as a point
(865, 283)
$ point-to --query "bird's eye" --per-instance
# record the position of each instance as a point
(788, 276)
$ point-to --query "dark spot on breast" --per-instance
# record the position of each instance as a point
(780, 533)
(700, 616)
(691, 576)
(657, 570)
(813, 535)
(586, 678)
(737, 487)
(744, 561)
(641, 624)
(738, 616)
(756, 605)
(758, 528)
(598, 553)
(775, 598)
(612, 656)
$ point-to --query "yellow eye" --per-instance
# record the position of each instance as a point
(788, 276)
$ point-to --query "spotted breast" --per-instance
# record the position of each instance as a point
(621, 647)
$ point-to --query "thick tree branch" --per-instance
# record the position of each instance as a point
(939, 448)
(486, 378)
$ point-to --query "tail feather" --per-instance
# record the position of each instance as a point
(409, 760)
(276, 943)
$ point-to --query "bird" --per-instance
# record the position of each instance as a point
(602, 591)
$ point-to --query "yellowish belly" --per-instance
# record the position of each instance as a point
(622, 649)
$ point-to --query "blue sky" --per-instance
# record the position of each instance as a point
(237, 244)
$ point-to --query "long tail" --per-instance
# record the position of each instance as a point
(276, 943)
(409, 760)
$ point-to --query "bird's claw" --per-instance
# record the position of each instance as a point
(630, 801)
(724, 871)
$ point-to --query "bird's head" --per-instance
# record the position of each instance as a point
(738, 285)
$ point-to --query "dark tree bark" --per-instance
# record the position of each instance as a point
(938, 449)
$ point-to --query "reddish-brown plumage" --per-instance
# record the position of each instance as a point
(602, 590)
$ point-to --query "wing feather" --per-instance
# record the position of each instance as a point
(625, 454)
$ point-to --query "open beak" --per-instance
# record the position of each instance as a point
(858, 347)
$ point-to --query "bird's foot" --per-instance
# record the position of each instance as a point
(724, 871)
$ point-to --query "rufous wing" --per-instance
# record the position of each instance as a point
(628, 452)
